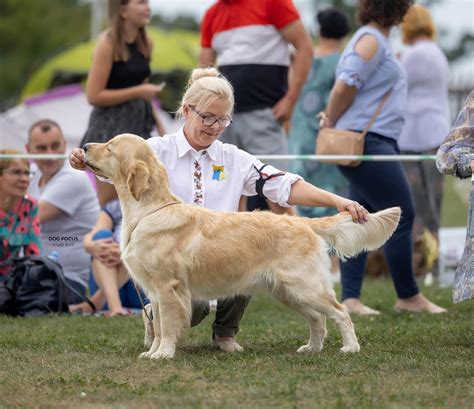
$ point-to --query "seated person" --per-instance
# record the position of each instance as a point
(19, 220)
(68, 205)
(102, 242)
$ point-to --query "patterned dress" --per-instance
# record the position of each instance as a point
(454, 158)
(304, 130)
(19, 230)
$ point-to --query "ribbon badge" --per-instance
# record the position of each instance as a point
(218, 172)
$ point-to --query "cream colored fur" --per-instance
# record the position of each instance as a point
(182, 252)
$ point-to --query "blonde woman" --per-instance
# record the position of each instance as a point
(117, 85)
(426, 120)
(208, 173)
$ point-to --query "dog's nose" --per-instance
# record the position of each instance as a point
(86, 146)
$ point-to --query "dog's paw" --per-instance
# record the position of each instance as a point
(144, 355)
(163, 353)
(351, 348)
(308, 349)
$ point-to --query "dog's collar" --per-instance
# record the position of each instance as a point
(154, 211)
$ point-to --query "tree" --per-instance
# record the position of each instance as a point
(31, 31)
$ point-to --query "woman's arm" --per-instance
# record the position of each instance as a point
(341, 98)
(295, 34)
(305, 194)
(107, 251)
(97, 93)
(456, 153)
(104, 222)
(288, 189)
(342, 95)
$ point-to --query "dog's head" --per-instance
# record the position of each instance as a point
(126, 159)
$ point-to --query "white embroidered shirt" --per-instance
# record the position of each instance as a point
(215, 178)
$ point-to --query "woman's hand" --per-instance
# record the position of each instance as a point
(358, 212)
(149, 91)
(114, 255)
(107, 251)
(324, 121)
(77, 159)
(472, 166)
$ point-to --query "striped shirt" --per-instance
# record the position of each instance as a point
(251, 52)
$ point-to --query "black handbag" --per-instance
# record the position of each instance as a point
(36, 286)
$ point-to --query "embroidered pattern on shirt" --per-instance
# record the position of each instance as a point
(197, 178)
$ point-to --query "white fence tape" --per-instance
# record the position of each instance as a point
(322, 158)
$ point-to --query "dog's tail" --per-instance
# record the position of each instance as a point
(347, 238)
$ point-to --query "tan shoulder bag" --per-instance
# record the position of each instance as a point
(332, 141)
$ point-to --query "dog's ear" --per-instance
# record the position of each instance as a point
(138, 179)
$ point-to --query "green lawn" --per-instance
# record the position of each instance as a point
(455, 202)
(406, 361)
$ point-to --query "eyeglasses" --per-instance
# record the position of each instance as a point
(19, 173)
(210, 120)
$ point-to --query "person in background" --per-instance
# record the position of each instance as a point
(118, 83)
(426, 122)
(333, 27)
(250, 41)
(368, 72)
(206, 172)
(111, 278)
(455, 157)
(68, 206)
(19, 219)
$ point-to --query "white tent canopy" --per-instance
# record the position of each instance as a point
(66, 105)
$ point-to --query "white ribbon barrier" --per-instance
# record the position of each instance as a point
(321, 158)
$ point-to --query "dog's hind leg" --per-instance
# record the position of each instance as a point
(312, 297)
(316, 321)
(340, 315)
(175, 317)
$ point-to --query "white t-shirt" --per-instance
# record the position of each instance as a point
(71, 191)
(227, 173)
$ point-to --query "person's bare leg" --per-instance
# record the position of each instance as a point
(110, 280)
(355, 306)
(98, 299)
(418, 303)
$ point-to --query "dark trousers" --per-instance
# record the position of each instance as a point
(378, 185)
(228, 315)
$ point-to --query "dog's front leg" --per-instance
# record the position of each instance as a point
(175, 312)
(152, 329)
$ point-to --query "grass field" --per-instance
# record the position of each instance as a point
(455, 202)
(406, 361)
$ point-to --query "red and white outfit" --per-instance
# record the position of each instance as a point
(251, 52)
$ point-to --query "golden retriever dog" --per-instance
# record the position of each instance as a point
(179, 252)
